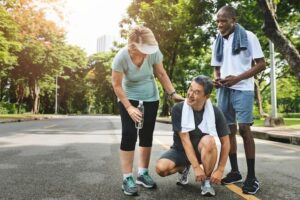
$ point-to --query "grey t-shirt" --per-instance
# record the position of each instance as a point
(195, 135)
(138, 83)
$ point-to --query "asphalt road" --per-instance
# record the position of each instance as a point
(78, 158)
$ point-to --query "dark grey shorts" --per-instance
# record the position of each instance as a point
(179, 157)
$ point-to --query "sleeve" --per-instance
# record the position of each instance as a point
(117, 63)
(214, 61)
(176, 118)
(221, 125)
(255, 46)
(157, 57)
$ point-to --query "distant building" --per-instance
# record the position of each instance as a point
(105, 43)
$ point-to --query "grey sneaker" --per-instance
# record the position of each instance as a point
(129, 186)
(145, 180)
(207, 189)
(182, 178)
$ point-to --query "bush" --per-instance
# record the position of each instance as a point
(290, 115)
(10, 108)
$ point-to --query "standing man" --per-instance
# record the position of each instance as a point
(193, 143)
(237, 57)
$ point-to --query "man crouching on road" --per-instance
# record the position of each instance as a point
(195, 123)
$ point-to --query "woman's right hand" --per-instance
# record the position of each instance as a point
(134, 113)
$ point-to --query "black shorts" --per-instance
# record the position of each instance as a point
(129, 132)
(179, 157)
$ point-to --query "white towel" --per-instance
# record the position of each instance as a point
(208, 124)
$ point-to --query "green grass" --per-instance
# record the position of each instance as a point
(293, 123)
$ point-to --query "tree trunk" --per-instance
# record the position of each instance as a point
(35, 94)
(1, 91)
(20, 95)
(282, 44)
(259, 101)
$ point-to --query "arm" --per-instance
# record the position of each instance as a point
(218, 173)
(217, 77)
(164, 79)
(259, 66)
(134, 113)
(190, 152)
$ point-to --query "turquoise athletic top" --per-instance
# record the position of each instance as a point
(138, 83)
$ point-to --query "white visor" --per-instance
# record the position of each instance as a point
(147, 49)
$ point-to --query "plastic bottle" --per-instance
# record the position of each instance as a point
(139, 125)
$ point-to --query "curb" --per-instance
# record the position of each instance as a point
(2, 121)
(289, 139)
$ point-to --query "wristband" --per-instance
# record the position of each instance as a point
(171, 94)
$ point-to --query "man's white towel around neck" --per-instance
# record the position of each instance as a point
(208, 124)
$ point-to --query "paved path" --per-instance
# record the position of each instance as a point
(77, 158)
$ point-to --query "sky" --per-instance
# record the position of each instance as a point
(86, 20)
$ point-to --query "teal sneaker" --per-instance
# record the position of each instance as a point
(129, 186)
(145, 180)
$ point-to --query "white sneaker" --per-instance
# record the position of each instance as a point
(182, 178)
(207, 189)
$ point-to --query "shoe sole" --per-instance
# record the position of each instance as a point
(144, 185)
(238, 181)
(128, 193)
(182, 183)
(247, 192)
(207, 194)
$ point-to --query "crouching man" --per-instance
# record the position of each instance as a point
(195, 123)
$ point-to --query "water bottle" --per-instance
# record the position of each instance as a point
(139, 125)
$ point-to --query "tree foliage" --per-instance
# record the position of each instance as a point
(183, 36)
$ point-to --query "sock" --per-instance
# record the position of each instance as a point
(251, 170)
(142, 170)
(233, 162)
(126, 175)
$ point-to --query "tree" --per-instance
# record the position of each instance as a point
(8, 48)
(41, 53)
(181, 35)
(274, 33)
(104, 100)
(73, 87)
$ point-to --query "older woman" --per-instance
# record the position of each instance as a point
(133, 78)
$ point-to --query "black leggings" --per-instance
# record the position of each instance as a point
(129, 132)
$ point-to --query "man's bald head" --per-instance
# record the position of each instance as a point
(227, 11)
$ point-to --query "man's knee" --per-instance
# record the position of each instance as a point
(244, 130)
(162, 167)
(208, 143)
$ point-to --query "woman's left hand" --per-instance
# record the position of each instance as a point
(177, 98)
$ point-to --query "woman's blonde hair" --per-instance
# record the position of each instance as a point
(141, 35)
